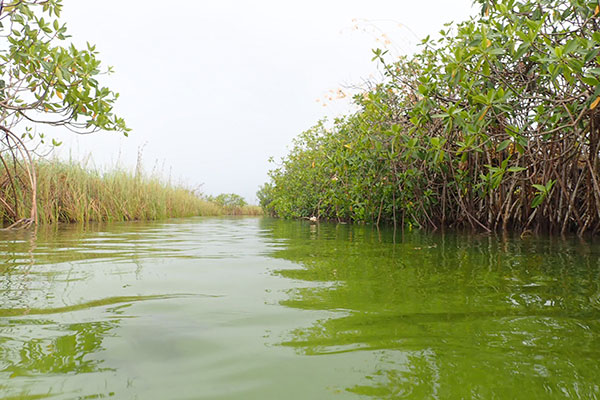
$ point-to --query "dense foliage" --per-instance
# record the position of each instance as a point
(234, 204)
(70, 192)
(44, 80)
(494, 125)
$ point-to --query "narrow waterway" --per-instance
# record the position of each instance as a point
(255, 308)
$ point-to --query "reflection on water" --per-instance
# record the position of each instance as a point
(450, 316)
(48, 353)
(81, 307)
(251, 308)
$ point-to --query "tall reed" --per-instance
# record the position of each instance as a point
(69, 192)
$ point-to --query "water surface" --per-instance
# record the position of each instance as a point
(250, 308)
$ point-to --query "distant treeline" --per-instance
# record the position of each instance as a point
(495, 125)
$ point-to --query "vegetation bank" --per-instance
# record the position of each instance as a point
(69, 192)
(493, 126)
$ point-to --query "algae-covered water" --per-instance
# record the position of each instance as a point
(254, 308)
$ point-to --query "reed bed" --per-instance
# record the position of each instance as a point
(70, 192)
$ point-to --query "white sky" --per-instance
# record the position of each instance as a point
(212, 89)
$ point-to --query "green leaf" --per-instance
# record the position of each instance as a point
(522, 50)
(590, 80)
(516, 169)
(503, 145)
(595, 71)
(496, 51)
(537, 200)
(570, 47)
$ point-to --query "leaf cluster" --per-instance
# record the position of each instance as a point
(43, 79)
(493, 125)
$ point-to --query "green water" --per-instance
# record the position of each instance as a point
(264, 309)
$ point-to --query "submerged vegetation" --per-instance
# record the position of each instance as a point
(69, 192)
(495, 125)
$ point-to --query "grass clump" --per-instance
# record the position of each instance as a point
(69, 192)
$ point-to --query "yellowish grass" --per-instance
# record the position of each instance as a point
(68, 192)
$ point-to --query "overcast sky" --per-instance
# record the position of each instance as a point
(212, 89)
